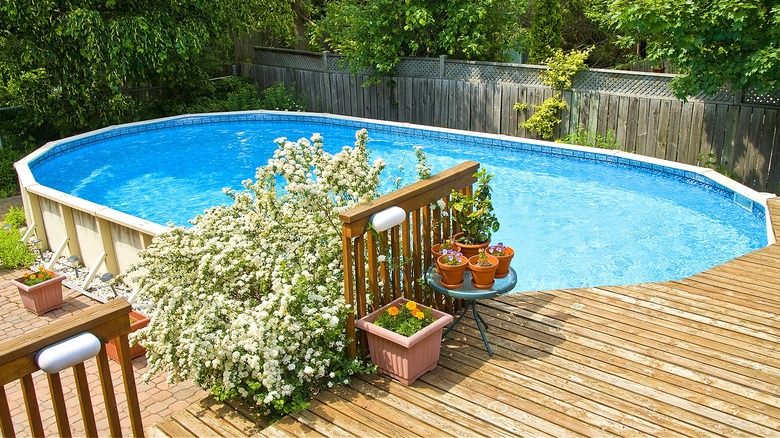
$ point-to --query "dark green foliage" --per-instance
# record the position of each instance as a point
(374, 34)
(76, 62)
(712, 42)
(545, 33)
(279, 97)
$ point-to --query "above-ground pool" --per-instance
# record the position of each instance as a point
(576, 217)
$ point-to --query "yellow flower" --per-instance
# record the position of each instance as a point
(411, 305)
(418, 314)
(393, 311)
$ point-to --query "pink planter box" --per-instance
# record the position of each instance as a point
(42, 297)
(136, 350)
(400, 357)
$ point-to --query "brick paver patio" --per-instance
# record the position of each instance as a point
(157, 398)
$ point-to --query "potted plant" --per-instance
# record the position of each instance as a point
(448, 244)
(404, 338)
(451, 266)
(137, 322)
(40, 291)
(504, 255)
(483, 269)
(474, 215)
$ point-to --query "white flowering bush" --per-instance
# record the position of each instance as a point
(249, 300)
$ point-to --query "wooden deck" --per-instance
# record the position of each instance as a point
(695, 357)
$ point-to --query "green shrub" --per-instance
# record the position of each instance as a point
(13, 252)
(592, 139)
(545, 119)
(279, 97)
(15, 217)
(562, 67)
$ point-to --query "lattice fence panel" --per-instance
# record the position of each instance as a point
(419, 67)
(606, 81)
(290, 59)
(752, 96)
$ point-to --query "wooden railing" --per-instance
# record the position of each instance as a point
(18, 362)
(371, 281)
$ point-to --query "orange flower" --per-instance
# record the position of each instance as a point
(393, 311)
(40, 275)
(418, 314)
(411, 305)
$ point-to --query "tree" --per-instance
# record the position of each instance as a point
(375, 34)
(713, 42)
(73, 62)
(545, 33)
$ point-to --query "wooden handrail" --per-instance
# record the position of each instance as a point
(17, 362)
(405, 247)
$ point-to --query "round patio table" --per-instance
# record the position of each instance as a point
(471, 294)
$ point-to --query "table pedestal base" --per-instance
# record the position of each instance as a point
(472, 304)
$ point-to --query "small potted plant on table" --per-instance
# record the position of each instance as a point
(474, 215)
(40, 291)
(483, 269)
(504, 255)
(451, 266)
(404, 338)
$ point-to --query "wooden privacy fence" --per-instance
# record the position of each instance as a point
(638, 108)
(18, 362)
(372, 282)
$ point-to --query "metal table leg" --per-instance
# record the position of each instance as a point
(456, 321)
(472, 304)
(478, 319)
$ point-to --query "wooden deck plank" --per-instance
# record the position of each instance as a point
(602, 362)
(661, 344)
(634, 354)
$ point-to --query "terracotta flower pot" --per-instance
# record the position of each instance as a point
(400, 357)
(451, 275)
(503, 262)
(42, 297)
(482, 276)
(470, 250)
(436, 251)
(138, 321)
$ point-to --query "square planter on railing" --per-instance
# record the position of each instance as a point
(400, 357)
(42, 297)
(137, 322)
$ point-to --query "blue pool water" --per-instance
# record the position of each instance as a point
(574, 220)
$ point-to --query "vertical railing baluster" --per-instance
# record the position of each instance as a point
(396, 264)
(417, 260)
(360, 283)
(349, 295)
(131, 393)
(85, 400)
(31, 403)
(115, 429)
(373, 271)
(384, 270)
(6, 423)
(58, 401)
(406, 255)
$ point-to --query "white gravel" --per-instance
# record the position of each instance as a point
(97, 289)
